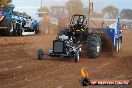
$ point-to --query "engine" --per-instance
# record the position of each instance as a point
(64, 45)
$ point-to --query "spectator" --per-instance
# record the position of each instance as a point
(47, 23)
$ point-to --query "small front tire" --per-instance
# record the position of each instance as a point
(40, 54)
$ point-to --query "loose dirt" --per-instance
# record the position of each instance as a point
(19, 67)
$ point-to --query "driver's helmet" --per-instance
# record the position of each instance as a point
(80, 20)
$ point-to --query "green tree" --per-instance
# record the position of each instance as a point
(126, 13)
(85, 11)
(5, 2)
(74, 7)
(111, 11)
(43, 9)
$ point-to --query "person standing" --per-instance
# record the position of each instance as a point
(47, 24)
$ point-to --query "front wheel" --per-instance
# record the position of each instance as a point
(77, 57)
(40, 54)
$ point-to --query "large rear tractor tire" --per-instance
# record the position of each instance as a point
(93, 45)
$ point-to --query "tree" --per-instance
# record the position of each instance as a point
(126, 13)
(74, 7)
(85, 11)
(111, 11)
(5, 2)
(43, 9)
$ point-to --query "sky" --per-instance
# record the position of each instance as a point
(31, 6)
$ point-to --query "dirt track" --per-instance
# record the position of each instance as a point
(19, 67)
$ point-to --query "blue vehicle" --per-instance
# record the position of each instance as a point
(6, 21)
(15, 24)
(25, 24)
(30, 25)
(70, 42)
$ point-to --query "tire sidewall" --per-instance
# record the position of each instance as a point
(98, 48)
(10, 26)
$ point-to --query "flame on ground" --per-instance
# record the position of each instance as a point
(84, 73)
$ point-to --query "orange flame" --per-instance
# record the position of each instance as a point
(84, 73)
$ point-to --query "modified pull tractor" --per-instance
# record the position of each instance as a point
(79, 36)
(69, 41)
